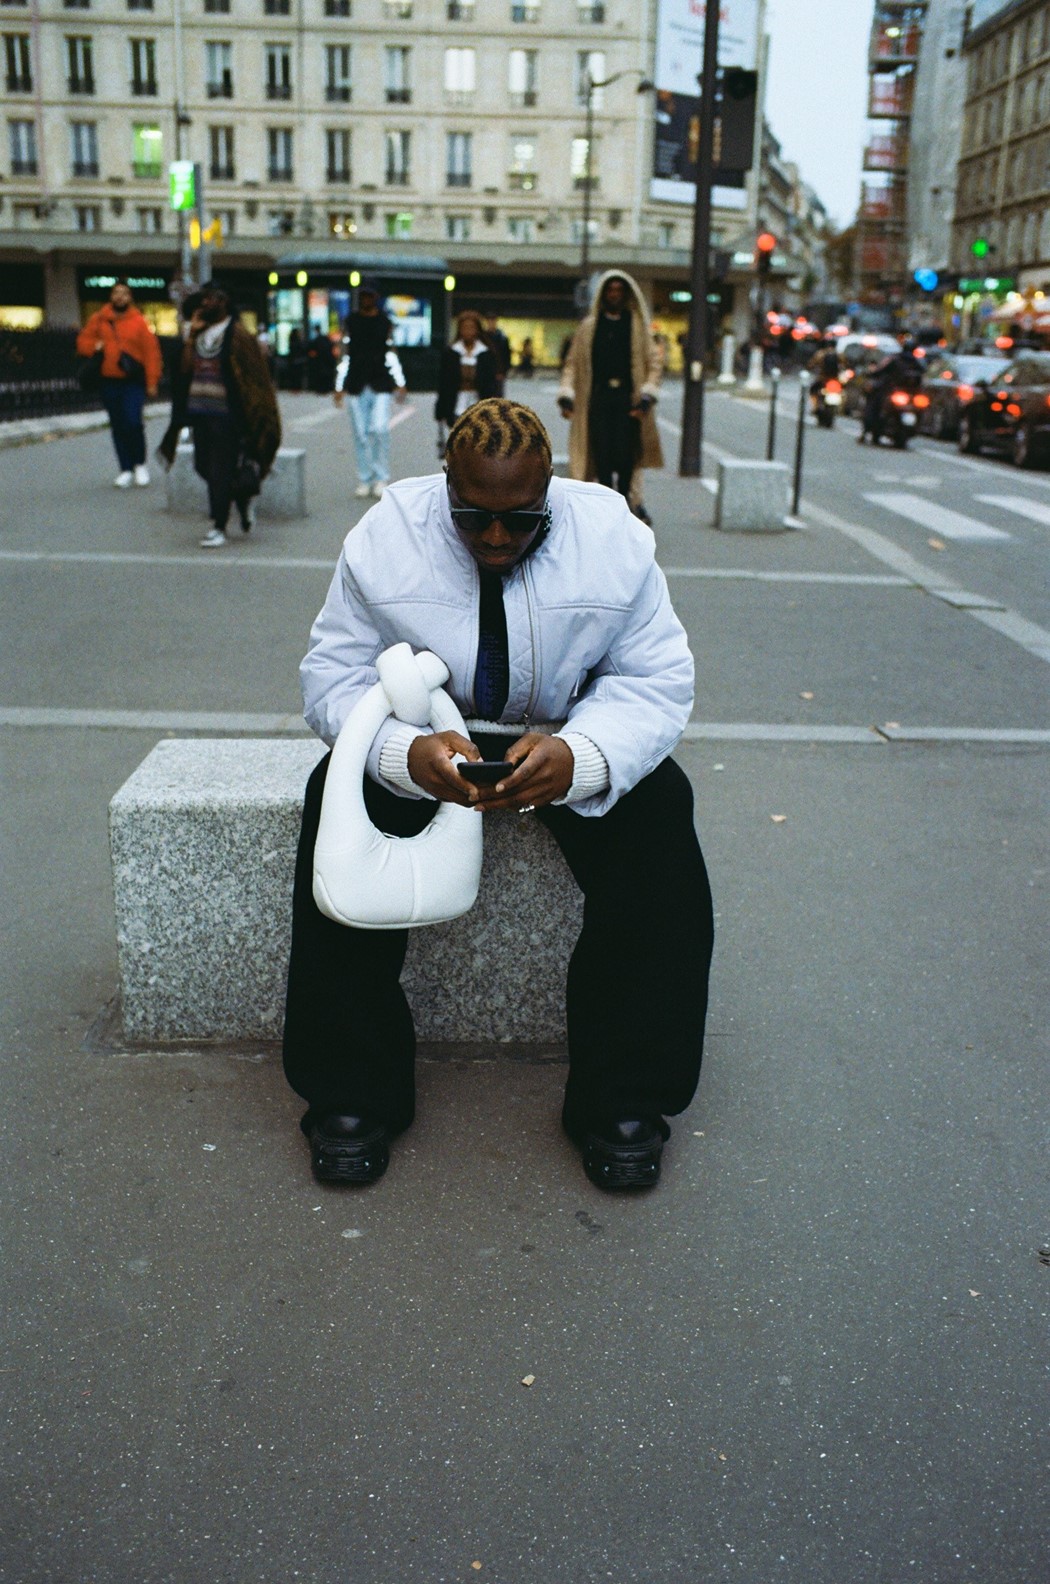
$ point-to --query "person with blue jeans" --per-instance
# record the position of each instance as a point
(370, 374)
(130, 371)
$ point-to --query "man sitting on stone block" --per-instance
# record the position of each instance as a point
(544, 599)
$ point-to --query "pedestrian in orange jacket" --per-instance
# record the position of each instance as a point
(131, 370)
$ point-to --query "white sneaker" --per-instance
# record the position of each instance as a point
(142, 474)
(124, 480)
(377, 488)
(362, 490)
(213, 539)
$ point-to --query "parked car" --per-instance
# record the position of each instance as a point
(951, 380)
(1011, 415)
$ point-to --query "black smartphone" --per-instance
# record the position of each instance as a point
(485, 772)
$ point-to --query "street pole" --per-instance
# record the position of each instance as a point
(585, 250)
(690, 455)
(771, 436)
(800, 435)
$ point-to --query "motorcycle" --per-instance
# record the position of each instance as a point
(827, 403)
(899, 415)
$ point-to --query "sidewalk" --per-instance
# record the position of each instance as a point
(24, 431)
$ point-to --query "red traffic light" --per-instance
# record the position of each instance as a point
(766, 242)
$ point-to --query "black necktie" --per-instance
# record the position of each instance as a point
(492, 676)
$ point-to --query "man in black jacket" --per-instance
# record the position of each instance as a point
(369, 373)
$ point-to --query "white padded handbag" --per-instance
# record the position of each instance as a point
(364, 877)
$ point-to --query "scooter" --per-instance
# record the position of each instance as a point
(899, 416)
(827, 403)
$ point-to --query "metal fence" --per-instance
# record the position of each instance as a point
(38, 374)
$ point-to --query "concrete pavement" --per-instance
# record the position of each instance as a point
(817, 1352)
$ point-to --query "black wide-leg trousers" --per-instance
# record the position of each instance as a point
(636, 994)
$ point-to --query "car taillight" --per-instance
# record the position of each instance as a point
(836, 389)
(899, 398)
(1048, 401)
(997, 406)
(965, 393)
(922, 401)
(1013, 409)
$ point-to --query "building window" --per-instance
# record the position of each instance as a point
(337, 78)
(521, 228)
(397, 10)
(140, 5)
(399, 225)
(279, 222)
(278, 71)
(220, 145)
(524, 10)
(81, 69)
(76, 5)
(522, 173)
(590, 11)
(460, 81)
(143, 66)
(277, 7)
(395, 74)
(84, 147)
(342, 225)
(593, 231)
(457, 228)
(19, 64)
(216, 5)
(398, 158)
(460, 10)
(26, 216)
(665, 234)
(337, 145)
(151, 221)
(227, 218)
(279, 153)
(88, 217)
(337, 8)
(522, 78)
(579, 165)
(458, 159)
(590, 68)
(22, 139)
(218, 70)
(147, 150)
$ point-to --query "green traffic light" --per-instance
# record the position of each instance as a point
(980, 247)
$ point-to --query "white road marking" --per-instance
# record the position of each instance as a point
(275, 725)
(920, 480)
(1018, 506)
(940, 519)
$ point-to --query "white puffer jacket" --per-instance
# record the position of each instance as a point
(593, 640)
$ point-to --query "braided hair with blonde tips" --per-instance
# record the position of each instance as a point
(497, 428)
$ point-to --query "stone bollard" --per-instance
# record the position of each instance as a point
(727, 376)
(283, 493)
(755, 384)
(752, 497)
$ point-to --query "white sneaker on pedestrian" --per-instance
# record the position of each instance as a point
(142, 474)
(213, 539)
(362, 490)
(377, 488)
(125, 479)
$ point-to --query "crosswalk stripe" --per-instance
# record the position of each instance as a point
(1018, 506)
(941, 519)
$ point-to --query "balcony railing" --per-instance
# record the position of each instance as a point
(278, 90)
(886, 204)
(19, 82)
(524, 99)
(82, 85)
(890, 42)
(144, 87)
(85, 167)
(396, 178)
(23, 167)
(890, 96)
(399, 96)
(222, 172)
(338, 93)
(146, 170)
(459, 96)
(524, 181)
(458, 178)
(886, 153)
(220, 90)
(280, 173)
(338, 175)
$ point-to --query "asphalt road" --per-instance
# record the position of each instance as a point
(817, 1353)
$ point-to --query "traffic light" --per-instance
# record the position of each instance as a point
(765, 244)
(980, 247)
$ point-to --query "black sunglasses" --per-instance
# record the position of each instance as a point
(475, 519)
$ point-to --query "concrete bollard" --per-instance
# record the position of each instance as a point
(755, 383)
(726, 375)
(283, 492)
(752, 497)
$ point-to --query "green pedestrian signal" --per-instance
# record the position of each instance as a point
(183, 185)
(980, 247)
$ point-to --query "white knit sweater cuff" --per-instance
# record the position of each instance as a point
(590, 769)
(393, 761)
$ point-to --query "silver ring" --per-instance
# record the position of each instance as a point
(527, 808)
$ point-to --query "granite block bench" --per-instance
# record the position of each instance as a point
(283, 489)
(203, 837)
(752, 497)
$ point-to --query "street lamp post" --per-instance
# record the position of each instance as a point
(690, 454)
(590, 85)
